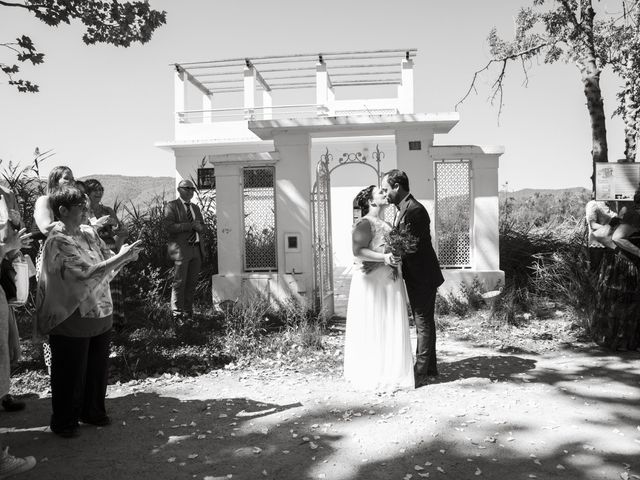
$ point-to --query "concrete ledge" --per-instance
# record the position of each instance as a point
(275, 287)
(489, 279)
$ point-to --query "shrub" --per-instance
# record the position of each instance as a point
(543, 265)
(468, 299)
(244, 324)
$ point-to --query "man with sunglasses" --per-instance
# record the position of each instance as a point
(185, 225)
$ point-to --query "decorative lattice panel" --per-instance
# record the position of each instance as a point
(453, 213)
(258, 204)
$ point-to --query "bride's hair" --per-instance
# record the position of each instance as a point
(362, 199)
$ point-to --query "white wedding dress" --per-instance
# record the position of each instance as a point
(377, 352)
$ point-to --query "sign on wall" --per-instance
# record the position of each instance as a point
(617, 181)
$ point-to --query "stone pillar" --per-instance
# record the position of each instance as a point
(267, 104)
(249, 93)
(416, 163)
(486, 254)
(418, 166)
(229, 207)
(293, 211)
(180, 85)
(405, 89)
(322, 89)
(207, 105)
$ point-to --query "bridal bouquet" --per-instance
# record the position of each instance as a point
(399, 242)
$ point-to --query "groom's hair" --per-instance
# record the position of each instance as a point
(396, 176)
(362, 199)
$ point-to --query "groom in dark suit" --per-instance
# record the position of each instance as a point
(185, 226)
(420, 270)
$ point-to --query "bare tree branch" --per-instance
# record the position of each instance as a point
(9, 46)
(32, 6)
(497, 85)
(526, 74)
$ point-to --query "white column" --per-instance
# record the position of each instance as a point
(267, 104)
(405, 89)
(229, 231)
(180, 86)
(249, 93)
(293, 186)
(331, 99)
(322, 89)
(486, 253)
(207, 105)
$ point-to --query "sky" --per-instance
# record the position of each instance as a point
(102, 108)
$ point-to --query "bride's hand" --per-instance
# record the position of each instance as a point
(390, 259)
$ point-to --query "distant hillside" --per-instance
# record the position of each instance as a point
(531, 192)
(137, 190)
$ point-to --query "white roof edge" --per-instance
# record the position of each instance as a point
(243, 157)
(210, 143)
(441, 123)
(486, 149)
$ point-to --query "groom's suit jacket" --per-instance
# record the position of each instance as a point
(420, 270)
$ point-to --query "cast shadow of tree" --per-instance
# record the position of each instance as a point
(492, 367)
(451, 459)
(163, 437)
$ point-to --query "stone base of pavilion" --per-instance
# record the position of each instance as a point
(279, 289)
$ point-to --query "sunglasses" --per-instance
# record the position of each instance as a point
(187, 188)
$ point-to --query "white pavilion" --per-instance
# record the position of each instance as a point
(284, 143)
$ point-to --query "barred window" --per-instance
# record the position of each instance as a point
(206, 179)
(258, 203)
(453, 213)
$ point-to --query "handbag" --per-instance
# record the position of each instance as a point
(14, 279)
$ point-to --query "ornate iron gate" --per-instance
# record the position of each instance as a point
(321, 222)
(322, 247)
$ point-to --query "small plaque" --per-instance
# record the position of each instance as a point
(415, 145)
(292, 242)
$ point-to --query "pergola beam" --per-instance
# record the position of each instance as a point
(265, 85)
(193, 80)
(411, 52)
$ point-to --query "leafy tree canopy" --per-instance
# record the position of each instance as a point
(111, 22)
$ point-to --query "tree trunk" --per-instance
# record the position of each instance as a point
(595, 105)
(630, 116)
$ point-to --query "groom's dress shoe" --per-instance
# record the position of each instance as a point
(421, 382)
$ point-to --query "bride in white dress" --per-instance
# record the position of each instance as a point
(377, 353)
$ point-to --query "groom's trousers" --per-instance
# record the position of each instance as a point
(423, 302)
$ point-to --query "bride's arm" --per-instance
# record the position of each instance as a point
(360, 239)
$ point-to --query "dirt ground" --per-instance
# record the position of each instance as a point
(569, 413)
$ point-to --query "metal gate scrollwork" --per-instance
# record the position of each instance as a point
(321, 221)
(322, 247)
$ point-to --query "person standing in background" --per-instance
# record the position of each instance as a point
(598, 215)
(185, 225)
(11, 241)
(114, 234)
